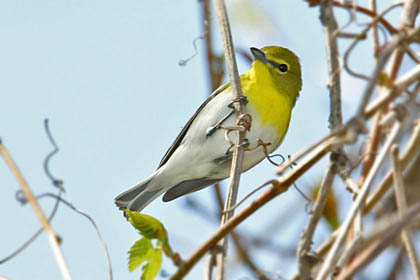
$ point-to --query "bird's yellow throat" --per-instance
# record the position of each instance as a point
(272, 105)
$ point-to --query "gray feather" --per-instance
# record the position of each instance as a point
(143, 199)
(124, 199)
(187, 187)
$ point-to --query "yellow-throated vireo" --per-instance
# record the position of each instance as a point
(201, 156)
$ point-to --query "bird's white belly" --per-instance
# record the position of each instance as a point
(209, 156)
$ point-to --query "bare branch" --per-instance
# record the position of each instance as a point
(375, 36)
(368, 255)
(303, 251)
(413, 147)
(331, 259)
(398, 39)
(52, 236)
(238, 152)
(368, 12)
(400, 196)
(334, 84)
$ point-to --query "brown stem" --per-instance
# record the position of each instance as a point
(53, 238)
(369, 254)
(238, 152)
(368, 12)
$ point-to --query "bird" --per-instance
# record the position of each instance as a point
(201, 156)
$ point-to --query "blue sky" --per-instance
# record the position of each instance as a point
(106, 75)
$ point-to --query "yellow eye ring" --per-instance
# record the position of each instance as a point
(283, 67)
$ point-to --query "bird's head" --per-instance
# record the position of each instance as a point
(283, 66)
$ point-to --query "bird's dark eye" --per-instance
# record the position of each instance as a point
(283, 68)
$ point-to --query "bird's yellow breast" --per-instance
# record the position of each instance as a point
(270, 106)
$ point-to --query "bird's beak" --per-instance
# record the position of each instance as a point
(259, 55)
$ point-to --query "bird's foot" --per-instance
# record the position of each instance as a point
(245, 120)
(241, 99)
(258, 144)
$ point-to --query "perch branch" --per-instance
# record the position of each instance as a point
(238, 152)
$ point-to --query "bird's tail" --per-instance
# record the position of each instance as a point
(139, 196)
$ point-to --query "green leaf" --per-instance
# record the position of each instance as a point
(148, 226)
(152, 268)
(139, 252)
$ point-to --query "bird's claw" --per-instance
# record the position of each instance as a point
(241, 99)
(259, 143)
(245, 120)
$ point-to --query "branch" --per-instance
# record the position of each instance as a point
(369, 254)
(368, 12)
(362, 35)
(52, 236)
(413, 147)
(213, 75)
(335, 119)
(334, 83)
(401, 199)
(331, 259)
(303, 250)
(375, 35)
(238, 152)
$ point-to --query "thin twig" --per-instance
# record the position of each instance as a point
(238, 152)
(209, 263)
(383, 58)
(208, 31)
(409, 13)
(52, 236)
(330, 261)
(400, 85)
(369, 254)
(401, 199)
(92, 221)
(352, 247)
(398, 264)
(375, 36)
(20, 196)
(56, 182)
(304, 258)
(25, 244)
(334, 84)
(381, 228)
(413, 147)
(240, 246)
(214, 79)
(247, 258)
(355, 231)
(59, 183)
(361, 36)
(368, 12)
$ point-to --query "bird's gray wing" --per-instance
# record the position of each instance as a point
(184, 130)
(187, 187)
